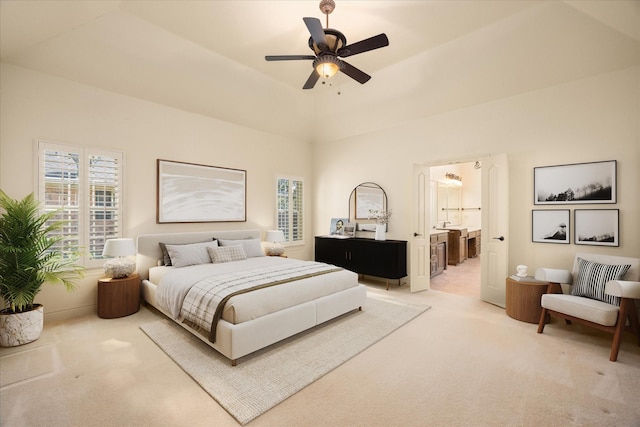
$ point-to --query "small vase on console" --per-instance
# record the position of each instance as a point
(380, 231)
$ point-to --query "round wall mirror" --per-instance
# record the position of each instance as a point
(366, 197)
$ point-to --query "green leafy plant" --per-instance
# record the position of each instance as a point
(28, 257)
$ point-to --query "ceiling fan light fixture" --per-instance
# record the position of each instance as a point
(327, 65)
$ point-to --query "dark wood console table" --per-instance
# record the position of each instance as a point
(380, 258)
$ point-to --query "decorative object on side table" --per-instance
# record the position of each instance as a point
(337, 226)
(120, 266)
(274, 237)
(381, 217)
(522, 270)
(28, 258)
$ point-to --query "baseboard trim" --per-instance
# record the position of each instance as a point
(69, 314)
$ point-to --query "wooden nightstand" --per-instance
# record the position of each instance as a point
(523, 299)
(118, 297)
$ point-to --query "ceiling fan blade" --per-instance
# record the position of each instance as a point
(317, 33)
(311, 81)
(288, 57)
(365, 45)
(356, 74)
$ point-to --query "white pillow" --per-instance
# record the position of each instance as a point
(252, 247)
(227, 254)
(191, 254)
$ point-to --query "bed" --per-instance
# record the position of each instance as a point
(249, 320)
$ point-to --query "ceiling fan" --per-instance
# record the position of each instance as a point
(330, 46)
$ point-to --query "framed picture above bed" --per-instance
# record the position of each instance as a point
(188, 192)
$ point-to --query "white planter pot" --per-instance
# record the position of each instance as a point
(21, 328)
(380, 231)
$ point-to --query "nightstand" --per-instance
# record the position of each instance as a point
(523, 299)
(118, 297)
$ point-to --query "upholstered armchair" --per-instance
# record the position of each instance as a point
(603, 294)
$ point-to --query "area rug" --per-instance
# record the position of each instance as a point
(265, 378)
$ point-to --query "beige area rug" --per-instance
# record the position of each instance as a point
(267, 377)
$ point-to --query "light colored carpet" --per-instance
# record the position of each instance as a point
(265, 378)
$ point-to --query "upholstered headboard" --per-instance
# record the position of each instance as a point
(149, 251)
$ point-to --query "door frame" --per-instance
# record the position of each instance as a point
(499, 267)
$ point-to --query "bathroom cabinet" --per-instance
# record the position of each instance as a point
(439, 255)
(473, 243)
(457, 245)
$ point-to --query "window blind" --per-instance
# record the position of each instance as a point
(290, 208)
(83, 185)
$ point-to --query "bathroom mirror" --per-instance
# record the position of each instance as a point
(366, 196)
(449, 204)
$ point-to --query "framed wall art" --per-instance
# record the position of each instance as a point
(188, 192)
(598, 227)
(337, 226)
(586, 183)
(550, 226)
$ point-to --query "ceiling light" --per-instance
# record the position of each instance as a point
(327, 65)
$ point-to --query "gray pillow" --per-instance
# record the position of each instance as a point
(252, 247)
(190, 254)
(166, 259)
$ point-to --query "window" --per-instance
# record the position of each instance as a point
(289, 207)
(84, 185)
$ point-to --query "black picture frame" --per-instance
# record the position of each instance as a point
(190, 192)
(551, 226)
(597, 227)
(578, 183)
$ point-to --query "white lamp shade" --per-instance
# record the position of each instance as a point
(119, 247)
(274, 236)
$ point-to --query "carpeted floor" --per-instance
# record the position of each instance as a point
(463, 363)
(265, 378)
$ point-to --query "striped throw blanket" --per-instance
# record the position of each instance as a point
(203, 304)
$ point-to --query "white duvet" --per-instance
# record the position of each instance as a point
(174, 284)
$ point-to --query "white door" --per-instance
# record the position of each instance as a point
(495, 224)
(420, 247)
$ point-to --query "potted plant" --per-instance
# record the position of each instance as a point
(28, 259)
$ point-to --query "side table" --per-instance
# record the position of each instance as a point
(118, 297)
(523, 299)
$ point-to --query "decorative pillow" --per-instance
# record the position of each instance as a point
(252, 247)
(190, 254)
(226, 254)
(593, 276)
(166, 259)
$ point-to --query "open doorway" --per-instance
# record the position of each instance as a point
(456, 206)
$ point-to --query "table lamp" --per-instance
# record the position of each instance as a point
(275, 237)
(120, 266)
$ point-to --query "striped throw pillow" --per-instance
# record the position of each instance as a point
(222, 254)
(593, 276)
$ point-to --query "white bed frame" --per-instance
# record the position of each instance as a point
(237, 340)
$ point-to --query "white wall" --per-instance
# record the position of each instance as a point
(592, 119)
(35, 105)
(586, 120)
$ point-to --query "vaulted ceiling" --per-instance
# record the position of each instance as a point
(207, 57)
